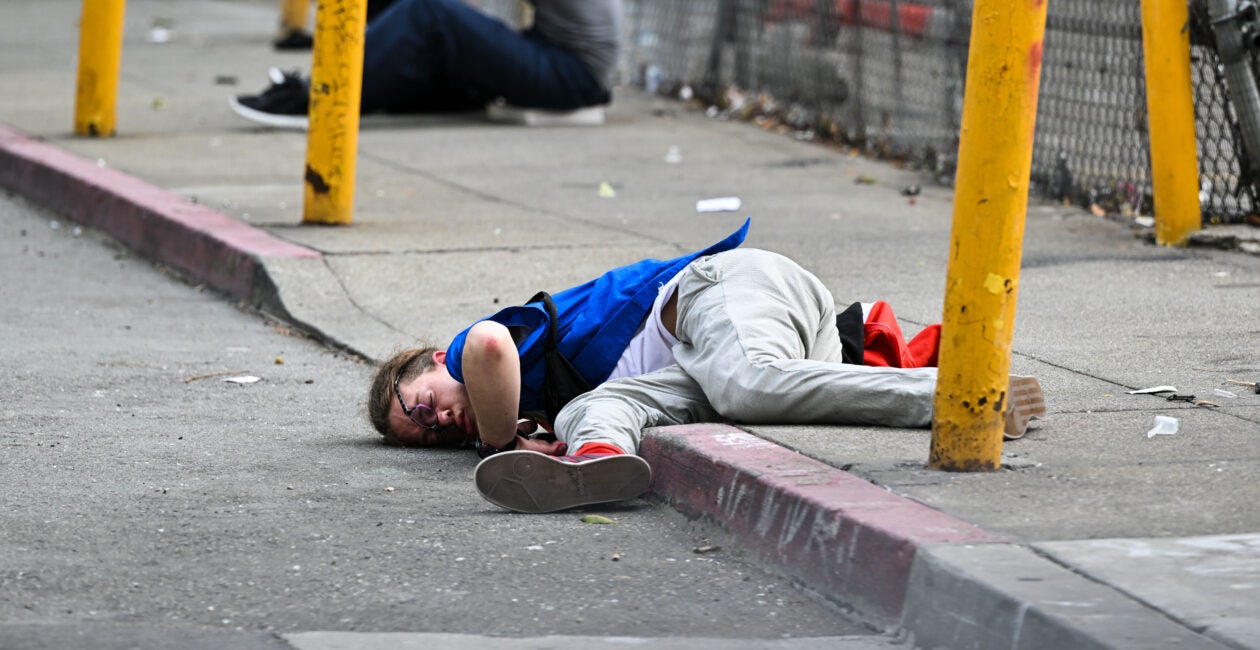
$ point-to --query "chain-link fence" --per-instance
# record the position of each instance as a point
(1228, 185)
(886, 77)
(853, 71)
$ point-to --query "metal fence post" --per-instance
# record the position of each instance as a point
(100, 56)
(1170, 111)
(332, 140)
(723, 32)
(994, 165)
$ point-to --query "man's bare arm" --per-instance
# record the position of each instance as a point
(492, 375)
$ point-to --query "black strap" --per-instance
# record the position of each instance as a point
(852, 330)
(562, 381)
(485, 451)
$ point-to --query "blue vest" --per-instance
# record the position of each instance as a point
(597, 320)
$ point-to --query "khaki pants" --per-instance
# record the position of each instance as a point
(757, 345)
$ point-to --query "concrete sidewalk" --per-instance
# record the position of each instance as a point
(1094, 535)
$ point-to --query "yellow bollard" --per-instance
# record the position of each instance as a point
(1170, 111)
(333, 139)
(994, 164)
(293, 15)
(100, 56)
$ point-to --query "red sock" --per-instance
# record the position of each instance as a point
(598, 449)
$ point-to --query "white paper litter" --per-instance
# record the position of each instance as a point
(1154, 389)
(1221, 392)
(1164, 426)
(243, 379)
(719, 204)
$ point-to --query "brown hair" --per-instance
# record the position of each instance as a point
(405, 366)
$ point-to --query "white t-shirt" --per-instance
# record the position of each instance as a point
(652, 347)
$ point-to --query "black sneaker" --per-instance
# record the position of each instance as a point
(527, 481)
(294, 39)
(284, 105)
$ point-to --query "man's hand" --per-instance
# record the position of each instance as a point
(553, 448)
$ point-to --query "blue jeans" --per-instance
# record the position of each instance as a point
(442, 55)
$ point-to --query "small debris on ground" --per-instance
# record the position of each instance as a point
(213, 374)
(597, 519)
(719, 204)
(243, 379)
(1164, 426)
(1153, 390)
(1251, 384)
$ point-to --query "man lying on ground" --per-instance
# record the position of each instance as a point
(722, 334)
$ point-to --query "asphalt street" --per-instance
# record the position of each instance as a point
(148, 500)
(142, 490)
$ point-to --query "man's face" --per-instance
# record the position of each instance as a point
(456, 424)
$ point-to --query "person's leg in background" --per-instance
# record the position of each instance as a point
(443, 55)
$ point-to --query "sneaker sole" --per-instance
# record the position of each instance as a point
(1027, 402)
(297, 122)
(527, 481)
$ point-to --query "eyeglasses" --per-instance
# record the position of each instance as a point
(421, 414)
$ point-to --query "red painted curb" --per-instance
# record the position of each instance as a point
(202, 243)
(843, 536)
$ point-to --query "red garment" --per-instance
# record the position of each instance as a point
(885, 345)
(598, 449)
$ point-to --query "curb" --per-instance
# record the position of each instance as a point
(934, 580)
(846, 538)
(1009, 596)
(202, 243)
